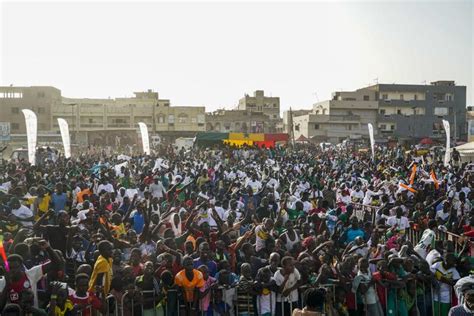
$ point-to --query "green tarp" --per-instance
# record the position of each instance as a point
(212, 136)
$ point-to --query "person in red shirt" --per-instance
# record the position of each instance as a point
(135, 262)
(383, 279)
(84, 300)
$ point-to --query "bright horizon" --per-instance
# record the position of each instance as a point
(212, 54)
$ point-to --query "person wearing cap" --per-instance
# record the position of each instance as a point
(467, 307)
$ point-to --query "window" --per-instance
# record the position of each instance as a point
(171, 119)
(15, 126)
(392, 127)
(415, 97)
(401, 96)
(119, 121)
(383, 126)
(440, 111)
(382, 111)
(449, 97)
(316, 126)
(200, 118)
(399, 112)
(15, 110)
(181, 118)
(366, 98)
(384, 96)
(297, 127)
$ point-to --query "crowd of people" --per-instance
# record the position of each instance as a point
(238, 231)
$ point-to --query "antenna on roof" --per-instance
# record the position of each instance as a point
(376, 80)
(424, 82)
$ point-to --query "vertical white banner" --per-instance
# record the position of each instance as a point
(31, 123)
(64, 128)
(145, 139)
(372, 141)
(447, 155)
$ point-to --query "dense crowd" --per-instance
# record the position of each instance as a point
(238, 231)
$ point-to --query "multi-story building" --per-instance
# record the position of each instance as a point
(259, 103)
(345, 116)
(401, 111)
(40, 100)
(416, 111)
(240, 121)
(254, 114)
(99, 121)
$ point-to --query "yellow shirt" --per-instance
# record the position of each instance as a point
(104, 266)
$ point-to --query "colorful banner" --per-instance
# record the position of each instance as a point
(145, 139)
(447, 155)
(372, 141)
(64, 128)
(31, 134)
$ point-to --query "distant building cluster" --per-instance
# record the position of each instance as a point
(400, 111)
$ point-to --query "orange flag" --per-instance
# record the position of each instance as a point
(403, 185)
(435, 180)
(413, 174)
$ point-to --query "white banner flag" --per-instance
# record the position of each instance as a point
(145, 139)
(372, 141)
(64, 128)
(447, 155)
(31, 134)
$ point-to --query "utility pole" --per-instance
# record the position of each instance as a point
(455, 136)
(290, 123)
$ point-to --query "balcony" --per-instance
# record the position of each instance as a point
(118, 125)
(92, 125)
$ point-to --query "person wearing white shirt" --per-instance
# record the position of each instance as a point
(22, 213)
(427, 239)
(399, 221)
(287, 279)
(254, 184)
(157, 189)
(444, 271)
(357, 195)
(105, 186)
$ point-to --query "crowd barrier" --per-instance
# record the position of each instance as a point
(365, 212)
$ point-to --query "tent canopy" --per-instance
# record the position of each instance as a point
(467, 148)
(302, 138)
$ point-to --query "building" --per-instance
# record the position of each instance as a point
(259, 103)
(40, 100)
(253, 114)
(237, 121)
(99, 121)
(345, 116)
(416, 111)
(399, 111)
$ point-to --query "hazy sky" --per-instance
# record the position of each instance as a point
(213, 53)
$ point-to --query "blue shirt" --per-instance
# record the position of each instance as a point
(138, 222)
(211, 266)
(59, 201)
(352, 234)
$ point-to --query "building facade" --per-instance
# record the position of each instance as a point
(240, 121)
(400, 111)
(345, 116)
(416, 111)
(259, 103)
(99, 121)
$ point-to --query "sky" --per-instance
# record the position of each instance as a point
(212, 53)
